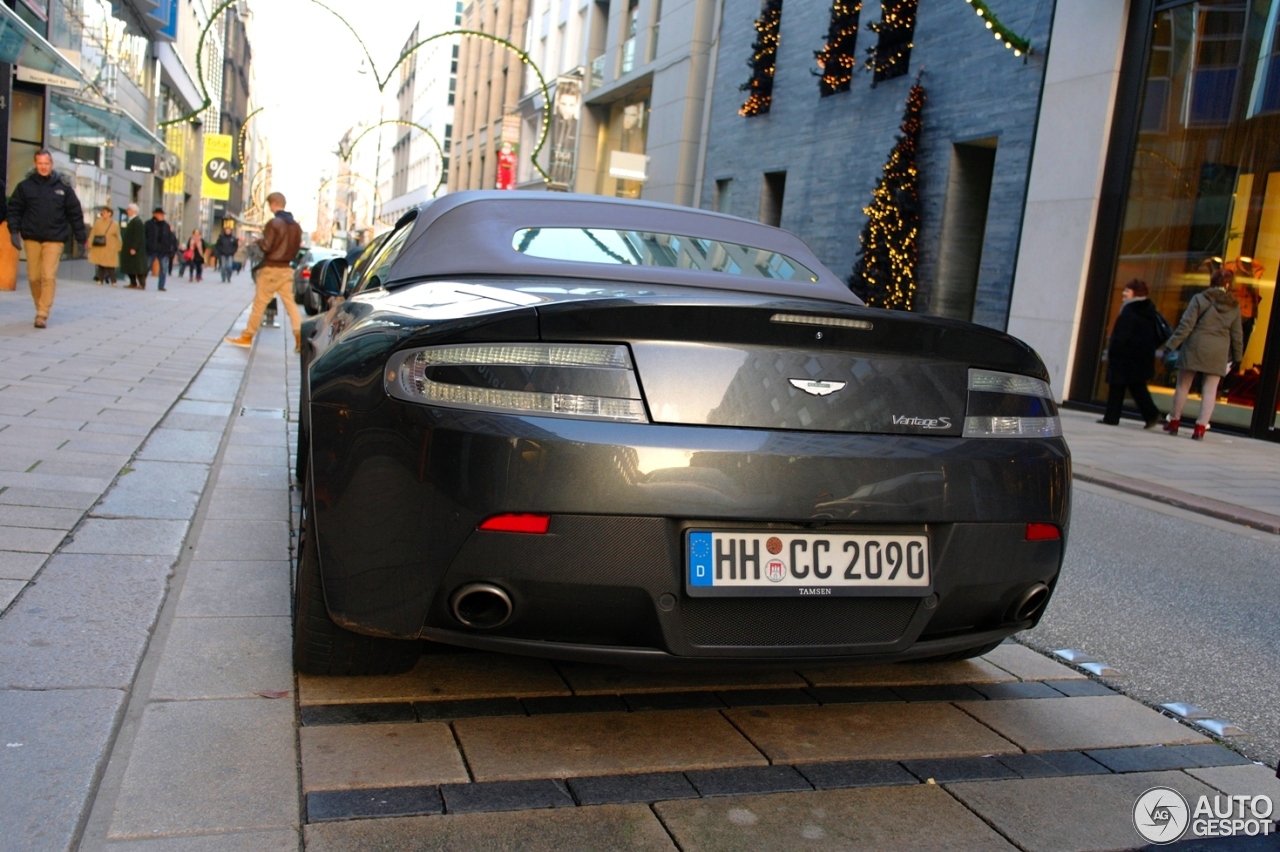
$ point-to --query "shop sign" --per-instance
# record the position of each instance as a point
(624, 165)
(216, 181)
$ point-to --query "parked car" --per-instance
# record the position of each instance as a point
(620, 431)
(308, 299)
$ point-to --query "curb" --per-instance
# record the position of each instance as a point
(1183, 500)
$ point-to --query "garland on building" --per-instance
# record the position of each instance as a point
(884, 275)
(892, 52)
(838, 58)
(1012, 40)
(763, 58)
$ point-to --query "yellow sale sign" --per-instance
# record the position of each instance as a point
(216, 183)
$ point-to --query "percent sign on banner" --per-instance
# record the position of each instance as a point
(216, 183)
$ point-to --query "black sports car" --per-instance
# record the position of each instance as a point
(595, 429)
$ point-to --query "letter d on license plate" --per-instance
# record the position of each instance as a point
(745, 563)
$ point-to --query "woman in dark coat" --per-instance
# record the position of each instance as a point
(133, 251)
(1209, 339)
(1131, 355)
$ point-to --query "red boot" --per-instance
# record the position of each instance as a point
(1172, 426)
(1197, 434)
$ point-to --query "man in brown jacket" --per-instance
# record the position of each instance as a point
(281, 239)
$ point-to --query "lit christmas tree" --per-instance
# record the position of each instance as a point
(838, 58)
(763, 57)
(885, 273)
(896, 29)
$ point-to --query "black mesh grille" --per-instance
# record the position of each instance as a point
(795, 621)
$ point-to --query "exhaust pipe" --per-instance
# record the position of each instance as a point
(481, 605)
(1029, 603)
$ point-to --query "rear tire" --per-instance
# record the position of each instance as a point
(321, 647)
(966, 654)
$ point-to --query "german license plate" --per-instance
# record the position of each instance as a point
(744, 563)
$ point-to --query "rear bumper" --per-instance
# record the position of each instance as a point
(400, 490)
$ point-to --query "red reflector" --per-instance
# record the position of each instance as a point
(517, 523)
(306, 273)
(1043, 532)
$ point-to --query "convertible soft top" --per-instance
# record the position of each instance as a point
(471, 233)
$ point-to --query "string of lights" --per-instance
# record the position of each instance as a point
(891, 55)
(838, 58)
(240, 146)
(1012, 41)
(763, 60)
(885, 273)
(346, 154)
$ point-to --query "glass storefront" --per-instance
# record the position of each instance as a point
(1203, 190)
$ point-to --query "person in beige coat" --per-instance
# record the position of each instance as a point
(104, 247)
(1208, 341)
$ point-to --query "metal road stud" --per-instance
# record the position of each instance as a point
(1220, 727)
(1187, 711)
(1100, 669)
(1071, 655)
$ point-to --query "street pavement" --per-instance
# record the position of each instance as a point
(147, 700)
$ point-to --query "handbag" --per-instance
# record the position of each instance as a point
(189, 254)
(100, 239)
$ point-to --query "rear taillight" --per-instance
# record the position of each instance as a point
(535, 524)
(1043, 532)
(306, 273)
(592, 381)
(1008, 405)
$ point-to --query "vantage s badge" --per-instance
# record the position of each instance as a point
(925, 422)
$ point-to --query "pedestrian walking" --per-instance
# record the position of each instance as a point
(133, 250)
(43, 212)
(194, 256)
(161, 244)
(1131, 355)
(225, 249)
(105, 243)
(1208, 341)
(281, 239)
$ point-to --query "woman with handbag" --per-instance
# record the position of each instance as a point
(194, 256)
(104, 247)
(1131, 355)
(1208, 341)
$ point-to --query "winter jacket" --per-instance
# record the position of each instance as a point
(109, 254)
(46, 209)
(281, 239)
(134, 237)
(1134, 340)
(1209, 333)
(226, 246)
(159, 238)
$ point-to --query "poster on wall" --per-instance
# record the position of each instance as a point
(216, 181)
(564, 131)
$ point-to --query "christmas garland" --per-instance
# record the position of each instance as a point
(1012, 40)
(838, 58)
(892, 53)
(763, 59)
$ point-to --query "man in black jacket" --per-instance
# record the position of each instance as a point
(161, 244)
(226, 249)
(43, 212)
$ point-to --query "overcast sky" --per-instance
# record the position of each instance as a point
(307, 76)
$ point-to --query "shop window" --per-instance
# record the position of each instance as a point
(1266, 95)
(964, 225)
(1155, 102)
(1219, 48)
(772, 190)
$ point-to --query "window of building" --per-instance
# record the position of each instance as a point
(895, 30)
(964, 227)
(772, 191)
(724, 190)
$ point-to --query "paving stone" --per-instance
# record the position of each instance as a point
(9, 590)
(623, 789)
(444, 676)
(395, 754)
(246, 454)
(921, 817)
(251, 504)
(324, 805)
(601, 744)
(1082, 812)
(1212, 755)
(853, 694)
(1076, 724)
(52, 498)
(204, 766)
(353, 714)
(154, 489)
(284, 840)
(742, 780)
(591, 679)
(40, 517)
(254, 438)
(866, 732)
(236, 589)
(614, 827)
(1050, 764)
(907, 674)
(468, 708)
(1141, 758)
(951, 769)
(505, 796)
(855, 773)
(224, 658)
(128, 537)
(673, 701)
(58, 737)
(1080, 688)
(243, 541)
(573, 704)
(1028, 664)
(31, 540)
(192, 406)
(252, 476)
(1248, 779)
(765, 697)
(181, 445)
(1021, 689)
(193, 422)
(214, 385)
(104, 603)
(938, 692)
